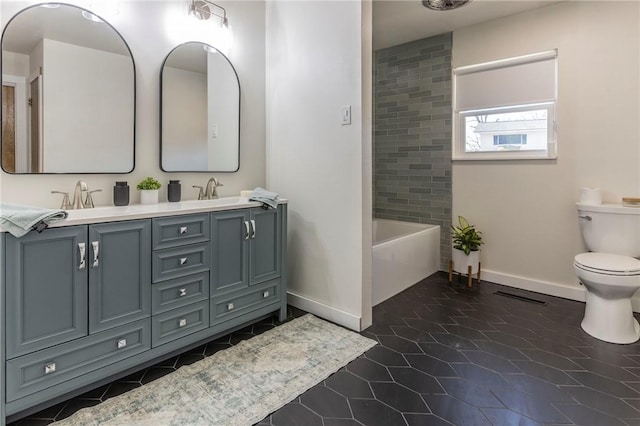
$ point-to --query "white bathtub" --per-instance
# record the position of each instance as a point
(403, 254)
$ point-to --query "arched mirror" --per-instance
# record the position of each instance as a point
(200, 111)
(68, 93)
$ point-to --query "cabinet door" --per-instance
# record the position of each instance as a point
(119, 273)
(46, 289)
(230, 251)
(265, 245)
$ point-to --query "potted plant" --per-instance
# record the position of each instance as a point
(466, 246)
(149, 190)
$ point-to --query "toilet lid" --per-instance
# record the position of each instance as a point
(607, 263)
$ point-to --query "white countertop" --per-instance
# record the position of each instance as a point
(143, 211)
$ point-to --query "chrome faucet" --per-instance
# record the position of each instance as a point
(88, 202)
(211, 191)
(77, 203)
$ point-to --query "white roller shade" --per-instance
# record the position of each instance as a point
(516, 81)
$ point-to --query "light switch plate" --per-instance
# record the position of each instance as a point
(345, 115)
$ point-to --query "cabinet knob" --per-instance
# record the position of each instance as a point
(229, 306)
(265, 294)
(182, 322)
(182, 292)
(122, 343)
(183, 261)
(183, 230)
(50, 368)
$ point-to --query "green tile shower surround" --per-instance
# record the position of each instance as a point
(113, 289)
(238, 386)
(412, 134)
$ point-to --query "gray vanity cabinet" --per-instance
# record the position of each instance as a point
(76, 281)
(230, 251)
(82, 304)
(246, 273)
(180, 269)
(246, 248)
(119, 273)
(265, 240)
(46, 289)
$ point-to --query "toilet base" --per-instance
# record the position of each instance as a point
(610, 320)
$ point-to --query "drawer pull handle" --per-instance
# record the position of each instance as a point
(253, 229)
(183, 230)
(265, 294)
(183, 261)
(122, 343)
(182, 322)
(96, 253)
(246, 230)
(50, 368)
(182, 292)
(83, 256)
(229, 306)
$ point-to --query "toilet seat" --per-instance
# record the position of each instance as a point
(608, 264)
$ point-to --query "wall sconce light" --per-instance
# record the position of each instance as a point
(90, 16)
(101, 10)
(203, 10)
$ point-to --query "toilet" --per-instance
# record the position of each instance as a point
(610, 272)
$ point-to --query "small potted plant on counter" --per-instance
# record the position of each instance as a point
(149, 190)
(465, 256)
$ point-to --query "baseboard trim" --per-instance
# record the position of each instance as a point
(327, 312)
(565, 291)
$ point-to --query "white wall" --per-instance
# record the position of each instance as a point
(152, 29)
(526, 210)
(96, 89)
(222, 113)
(315, 66)
(184, 128)
(15, 64)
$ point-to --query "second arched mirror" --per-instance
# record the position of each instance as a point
(200, 111)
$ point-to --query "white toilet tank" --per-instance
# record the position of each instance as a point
(610, 228)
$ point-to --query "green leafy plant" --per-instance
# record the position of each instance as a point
(149, 183)
(465, 236)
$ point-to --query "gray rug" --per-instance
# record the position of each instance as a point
(238, 386)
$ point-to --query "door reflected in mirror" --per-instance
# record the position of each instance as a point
(68, 94)
(200, 111)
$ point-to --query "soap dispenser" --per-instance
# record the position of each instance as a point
(121, 194)
(174, 192)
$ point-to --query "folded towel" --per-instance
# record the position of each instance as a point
(20, 219)
(266, 197)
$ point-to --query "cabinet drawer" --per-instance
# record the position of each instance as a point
(180, 261)
(232, 306)
(180, 230)
(179, 292)
(179, 322)
(37, 371)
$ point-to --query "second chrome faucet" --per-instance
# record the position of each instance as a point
(210, 192)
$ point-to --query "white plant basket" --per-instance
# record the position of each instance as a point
(149, 196)
(465, 264)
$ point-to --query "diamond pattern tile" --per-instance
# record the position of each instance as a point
(448, 356)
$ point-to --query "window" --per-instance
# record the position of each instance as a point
(517, 139)
(506, 109)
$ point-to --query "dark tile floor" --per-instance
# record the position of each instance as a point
(448, 355)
